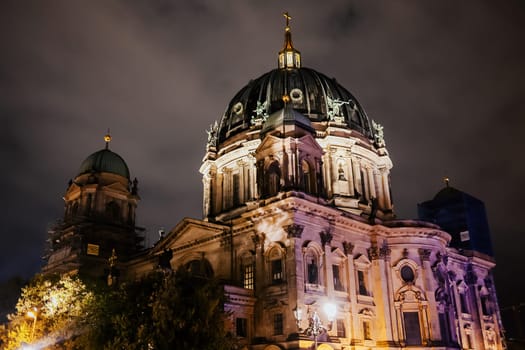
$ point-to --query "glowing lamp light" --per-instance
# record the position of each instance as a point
(298, 314)
(330, 310)
(32, 314)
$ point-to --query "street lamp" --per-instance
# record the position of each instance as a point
(315, 327)
(33, 314)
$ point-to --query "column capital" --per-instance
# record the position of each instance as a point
(348, 248)
(424, 254)
(326, 237)
(294, 230)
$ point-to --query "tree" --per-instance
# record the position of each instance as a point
(163, 310)
(50, 311)
(188, 313)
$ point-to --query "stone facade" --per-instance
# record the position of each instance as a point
(298, 215)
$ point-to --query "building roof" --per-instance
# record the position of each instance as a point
(311, 93)
(104, 161)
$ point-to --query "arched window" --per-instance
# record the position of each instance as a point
(236, 189)
(273, 179)
(364, 188)
(484, 297)
(276, 265)
(313, 274)
(312, 268)
(199, 268)
(443, 299)
(462, 301)
(113, 210)
(88, 203)
(341, 172)
(307, 177)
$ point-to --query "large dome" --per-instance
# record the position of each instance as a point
(295, 132)
(311, 93)
(104, 161)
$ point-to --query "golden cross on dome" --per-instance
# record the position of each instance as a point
(446, 180)
(107, 139)
(288, 18)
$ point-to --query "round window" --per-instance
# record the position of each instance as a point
(296, 95)
(407, 274)
(237, 108)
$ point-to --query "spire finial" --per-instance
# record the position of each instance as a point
(446, 180)
(107, 139)
(289, 57)
(288, 18)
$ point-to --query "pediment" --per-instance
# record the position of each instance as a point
(362, 260)
(190, 233)
(307, 143)
(410, 294)
(338, 252)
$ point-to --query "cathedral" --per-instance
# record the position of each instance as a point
(299, 224)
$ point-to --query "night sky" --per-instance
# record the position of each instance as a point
(445, 78)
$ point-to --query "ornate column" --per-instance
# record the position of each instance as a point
(206, 198)
(370, 182)
(242, 180)
(381, 291)
(429, 312)
(260, 282)
(326, 239)
(227, 188)
(295, 276)
(326, 172)
(380, 195)
(352, 291)
(252, 171)
(386, 188)
(294, 273)
(351, 187)
(357, 177)
(219, 194)
(384, 253)
(471, 280)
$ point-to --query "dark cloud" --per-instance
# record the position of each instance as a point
(445, 78)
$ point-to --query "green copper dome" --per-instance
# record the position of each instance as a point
(104, 161)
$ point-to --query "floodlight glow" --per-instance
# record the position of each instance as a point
(330, 310)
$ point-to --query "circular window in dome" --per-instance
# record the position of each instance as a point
(407, 274)
(296, 95)
(237, 108)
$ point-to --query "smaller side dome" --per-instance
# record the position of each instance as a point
(104, 161)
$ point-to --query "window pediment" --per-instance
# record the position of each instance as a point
(410, 294)
(362, 261)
